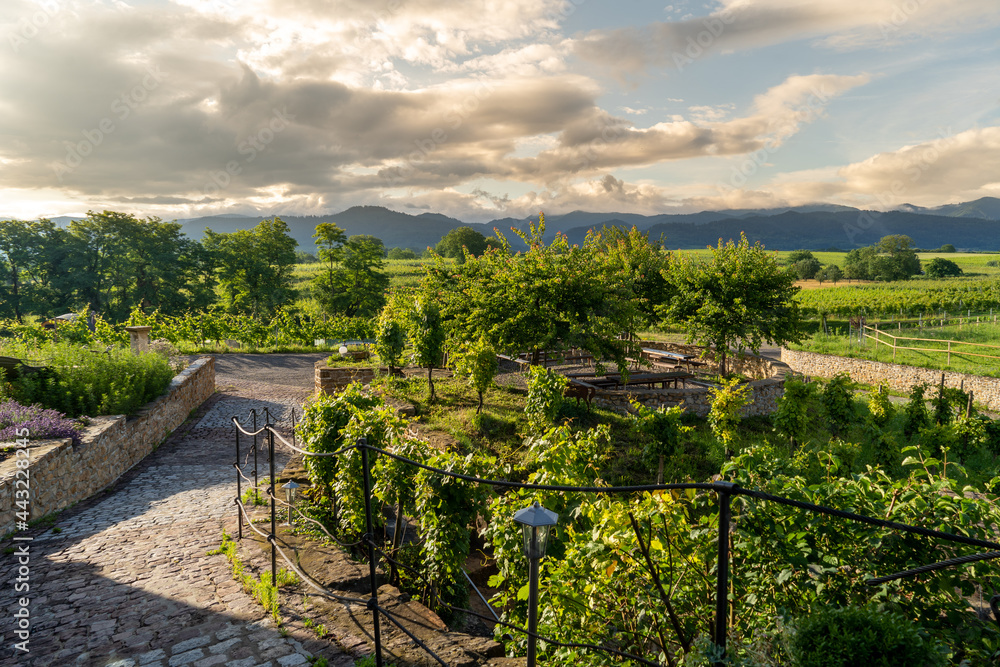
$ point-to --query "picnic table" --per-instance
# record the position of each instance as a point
(675, 358)
(614, 380)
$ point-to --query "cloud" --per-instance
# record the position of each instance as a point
(743, 25)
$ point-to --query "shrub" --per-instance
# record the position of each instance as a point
(479, 362)
(795, 409)
(41, 423)
(879, 405)
(85, 382)
(862, 636)
(917, 415)
(545, 396)
(838, 400)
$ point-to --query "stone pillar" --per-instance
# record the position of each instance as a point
(139, 338)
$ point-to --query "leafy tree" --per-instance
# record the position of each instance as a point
(478, 362)
(390, 340)
(797, 256)
(545, 397)
(728, 401)
(917, 415)
(401, 253)
(795, 409)
(738, 300)
(551, 297)
(892, 258)
(428, 336)
(636, 265)
(942, 268)
(303, 257)
(254, 267)
(806, 269)
(838, 402)
(33, 268)
(947, 247)
(461, 240)
(662, 429)
(830, 272)
(879, 405)
(352, 283)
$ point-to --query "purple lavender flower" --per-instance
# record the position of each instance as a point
(41, 423)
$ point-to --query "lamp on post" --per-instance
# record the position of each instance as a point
(290, 492)
(343, 350)
(536, 522)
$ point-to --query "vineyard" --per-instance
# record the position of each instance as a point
(910, 299)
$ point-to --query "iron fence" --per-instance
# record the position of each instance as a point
(724, 491)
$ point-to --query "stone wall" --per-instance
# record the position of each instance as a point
(331, 379)
(986, 390)
(61, 474)
(767, 387)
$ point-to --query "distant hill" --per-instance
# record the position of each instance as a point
(971, 225)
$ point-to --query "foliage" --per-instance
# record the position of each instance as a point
(662, 430)
(428, 336)
(738, 300)
(400, 253)
(320, 430)
(545, 396)
(917, 415)
(892, 258)
(834, 637)
(478, 362)
(806, 269)
(462, 241)
(79, 381)
(728, 401)
(353, 282)
(838, 402)
(390, 340)
(254, 267)
(942, 268)
(550, 297)
(913, 298)
(796, 407)
(879, 405)
(40, 423)
(831, 272)
(636, 264)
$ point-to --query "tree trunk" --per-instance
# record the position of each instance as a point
(430, 380)
(659, 471)
(480, 408)
(722, 362)
(397, 536)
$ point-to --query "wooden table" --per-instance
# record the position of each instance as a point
(614, 380)
(676, 358)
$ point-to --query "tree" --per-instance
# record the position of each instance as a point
(947, 247)
(942, 268)
(737, 300)
(798, 256)
(390, 340)
(478, 361)
(892, 258)
(254, 267)
(635, 264)
(551, 297)
(830, 272)
(461, 240)
(401, 253)
(806, 269)
(428, 336)
(662, 429)
(352, 282)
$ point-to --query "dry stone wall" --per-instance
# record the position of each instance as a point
(986, 390)
(61, 474)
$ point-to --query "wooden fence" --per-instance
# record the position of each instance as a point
(949, 350)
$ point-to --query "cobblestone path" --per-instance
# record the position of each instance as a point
(126, 582)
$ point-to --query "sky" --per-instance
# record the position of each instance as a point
(480, 109)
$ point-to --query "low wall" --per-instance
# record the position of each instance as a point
(767, 386)
(61, 474)
(986, 390)
(331, 379)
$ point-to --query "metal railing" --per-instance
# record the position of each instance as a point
(725, 492)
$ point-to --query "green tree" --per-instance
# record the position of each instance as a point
(892, 258)
(737, 300)
(254, 267)
(32, 267)
(478, 362)
(551, 297)
(727, 403)
(806, 269)
(797, 256)
(662, 429)
(428, 336)
(353, 282)
(401, 253)
(942, 268)
(635, 264)
(390, 340)
(830, 272)
(461, 240)
(796, 408)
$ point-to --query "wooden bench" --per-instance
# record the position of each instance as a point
(13, 368)
(577, 389)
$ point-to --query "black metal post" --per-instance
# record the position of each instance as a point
(725, 491)
(239, 486)
(532, 609)
(256, 484)
(370, 538)
(274, 534)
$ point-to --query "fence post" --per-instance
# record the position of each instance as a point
(256, 484)
(239, 488)
(274, 533)
(725, 492)
(949, 354)
(370, 539)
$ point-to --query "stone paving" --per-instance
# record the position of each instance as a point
(126, 581)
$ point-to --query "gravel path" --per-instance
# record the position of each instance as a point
(126, 580)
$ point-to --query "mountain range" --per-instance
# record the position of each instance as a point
(973, 225)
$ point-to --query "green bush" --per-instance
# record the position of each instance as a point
(862, 636)
(80, 381)
(545, 396)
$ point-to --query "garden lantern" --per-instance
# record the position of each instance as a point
(343, 350)
(536, 522)
(290, 493)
